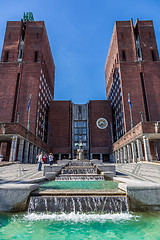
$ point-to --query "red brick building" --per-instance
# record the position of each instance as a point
(101, 138)
(90, 124)
(60, 125)
(132, 67)
(101, 126)
(26, 69)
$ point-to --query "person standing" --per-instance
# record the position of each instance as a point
(50, 158)
(44, 158)
(40, 160)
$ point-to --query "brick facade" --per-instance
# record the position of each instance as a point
(133, 51)
(100, 139)
(26, 58)
(60, 125)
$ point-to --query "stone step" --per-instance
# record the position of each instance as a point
(79, 167)
(79, 192)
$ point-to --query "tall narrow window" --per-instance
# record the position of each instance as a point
(15, 98)
(21, 53)
(153, 55)
(123, 56)
(144, 97)
(36, 56)
(138, 51)
(6, 56)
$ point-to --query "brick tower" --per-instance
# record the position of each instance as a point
(132, 67)
(26, 68)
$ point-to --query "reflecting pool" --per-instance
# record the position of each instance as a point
(105, 185)
(33, 226)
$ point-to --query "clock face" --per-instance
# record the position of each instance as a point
(102, 123)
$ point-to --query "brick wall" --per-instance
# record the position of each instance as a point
(35, 40)
(60, 126)
(100, 139)
(124, 39)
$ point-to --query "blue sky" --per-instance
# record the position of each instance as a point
(79, 32)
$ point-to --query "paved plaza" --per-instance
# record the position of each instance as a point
(20, 172)
(29, 172)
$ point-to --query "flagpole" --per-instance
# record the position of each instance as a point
(134, 150)
(28, 110)
(37, 128)
(117, 139)
(43, 130)
(124, 151)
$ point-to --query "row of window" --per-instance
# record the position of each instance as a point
(44, 98)
(80, 131)
(115, 96)
(80, 124)
(78, 138)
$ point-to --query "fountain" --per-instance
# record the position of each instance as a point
(78, 170)
(80, 153)
(81, 204)
(66, 200)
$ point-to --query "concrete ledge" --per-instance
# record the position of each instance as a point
(144, 196)
(35, 180)
(14, 197)
(63, 162)
(108, 175)
(50, 175)
(54, 168)
(107, 168)
(96, 161)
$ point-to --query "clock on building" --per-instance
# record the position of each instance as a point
(102, 123)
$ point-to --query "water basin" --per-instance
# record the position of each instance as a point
(105, 185)
(72, 226)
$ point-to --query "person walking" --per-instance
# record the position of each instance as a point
(50, 158)
(40, 160)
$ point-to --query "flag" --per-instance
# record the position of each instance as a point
(129, 100)
(29, 103)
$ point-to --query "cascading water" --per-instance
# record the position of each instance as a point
(81, 204)
(80, 163)
(79, 178)
(78, 201)
(79, 171)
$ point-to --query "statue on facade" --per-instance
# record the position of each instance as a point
(80, 154)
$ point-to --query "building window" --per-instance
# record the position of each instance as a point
(36, 56)
(6, 56)
(76, 138)
(123, 55)
(153, 55)
(76, 131)
(80, 131)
